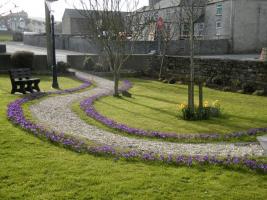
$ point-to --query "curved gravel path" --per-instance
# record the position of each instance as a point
(55, 113)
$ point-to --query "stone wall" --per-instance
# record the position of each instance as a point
(39, 63)
(81, 44)
(2, 48)
(135, 63)
(231, 74)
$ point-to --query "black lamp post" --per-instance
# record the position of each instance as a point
(51, 50)
(54, 66)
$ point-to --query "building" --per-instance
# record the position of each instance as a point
(36, 26)
(242, 22)
(20, 22)
(74, 22)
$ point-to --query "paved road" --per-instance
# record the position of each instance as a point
(18, 46)
(61, 54)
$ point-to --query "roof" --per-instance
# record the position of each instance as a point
(75, 13)
(166, 4)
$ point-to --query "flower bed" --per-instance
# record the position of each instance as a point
(88, 107)
(16, 116)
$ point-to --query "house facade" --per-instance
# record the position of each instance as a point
(74, 23)
(242, 22)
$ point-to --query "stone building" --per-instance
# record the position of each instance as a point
(241, 22)
(74, 22)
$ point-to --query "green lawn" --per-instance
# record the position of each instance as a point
(4, 38)
(154, 106)
(31, 168)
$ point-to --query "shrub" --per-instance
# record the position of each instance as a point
(259, 93)
(172, 81)
(88, 63)
(100, 68)
(226, 89)
(236, 83)
(22, 59)
(62, 67)
(201, 113)
(218, 80)
(248, 88)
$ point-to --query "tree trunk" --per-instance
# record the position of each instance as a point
(200, 94)
(116, 83)
(192, 70)
(162, 64)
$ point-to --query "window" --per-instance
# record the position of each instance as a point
(218, 24)
(218, 27)
(219, 9)
(185, 30)
(201, 27)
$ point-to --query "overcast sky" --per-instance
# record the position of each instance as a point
(35, 8)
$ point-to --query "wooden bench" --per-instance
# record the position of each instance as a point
(22, 81)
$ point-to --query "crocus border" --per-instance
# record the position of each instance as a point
(16, 115)
(87, 106)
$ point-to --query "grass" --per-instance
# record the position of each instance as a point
(5, 38)
(154, 106)
(31, 168)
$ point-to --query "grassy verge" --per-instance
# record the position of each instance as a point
(154, 106)
(31, 168)
(5, 38)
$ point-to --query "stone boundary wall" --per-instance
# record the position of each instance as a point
(135, 63)
(2, 48)
(39, 63)
(223, 73)
(83, 45)
(232, 73)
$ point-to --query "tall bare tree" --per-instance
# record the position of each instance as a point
(6, 7)
(115, 25)
(191, 11)
(168, 33)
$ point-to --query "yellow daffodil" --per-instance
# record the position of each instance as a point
(206, 104)
(182, 106)
(217, 104)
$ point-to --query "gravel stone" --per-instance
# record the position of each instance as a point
(55, 113)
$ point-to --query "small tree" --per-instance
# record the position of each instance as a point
(191, 10)
(167, 34)
(6, 8)
(115, 25)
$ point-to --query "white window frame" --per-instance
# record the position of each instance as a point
(218, 26)
(219, 9)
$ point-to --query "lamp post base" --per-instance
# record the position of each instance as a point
(54, 75)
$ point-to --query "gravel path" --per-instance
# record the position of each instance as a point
(55, 113)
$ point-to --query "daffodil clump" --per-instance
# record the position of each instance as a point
(201, 113)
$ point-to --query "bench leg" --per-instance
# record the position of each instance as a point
(29, 87)
(22, 88)
(14, 89)
(36, 87)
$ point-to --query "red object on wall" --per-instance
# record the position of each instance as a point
(160, 23)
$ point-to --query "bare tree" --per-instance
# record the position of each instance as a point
(167, 34)
(191, 11)
(115, 25)
(6, 8)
